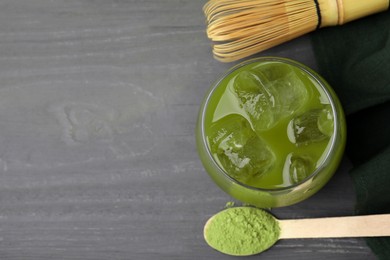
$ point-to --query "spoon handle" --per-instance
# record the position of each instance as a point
(355, 226)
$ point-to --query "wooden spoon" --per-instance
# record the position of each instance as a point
(331, 227)
(336, 227)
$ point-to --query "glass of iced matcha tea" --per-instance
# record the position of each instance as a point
(271, 132)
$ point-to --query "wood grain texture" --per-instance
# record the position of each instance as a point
(98, 105)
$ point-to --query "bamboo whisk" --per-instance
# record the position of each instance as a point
(240, 28)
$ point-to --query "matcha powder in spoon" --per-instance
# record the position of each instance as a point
(241, 231)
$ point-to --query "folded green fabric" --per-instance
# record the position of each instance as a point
(355, 60)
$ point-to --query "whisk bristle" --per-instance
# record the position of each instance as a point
(240, 28)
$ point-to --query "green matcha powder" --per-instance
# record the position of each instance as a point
(242, 231)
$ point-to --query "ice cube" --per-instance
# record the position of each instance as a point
(289, 92)
(270, 94)
(239, 150)
(325, 121)
(305, 129)
(230, 131)
(299, 167)
(255, 99)
(273, 71)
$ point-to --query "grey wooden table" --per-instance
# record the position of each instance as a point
(98, 105)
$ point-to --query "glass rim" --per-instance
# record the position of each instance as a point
(331, 147)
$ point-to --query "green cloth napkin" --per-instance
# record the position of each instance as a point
(355, 60)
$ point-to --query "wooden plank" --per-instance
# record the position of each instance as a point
(98, 106)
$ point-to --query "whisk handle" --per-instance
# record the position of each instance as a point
(338, 12)
(356, 9)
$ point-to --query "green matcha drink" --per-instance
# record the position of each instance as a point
(271, 132)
